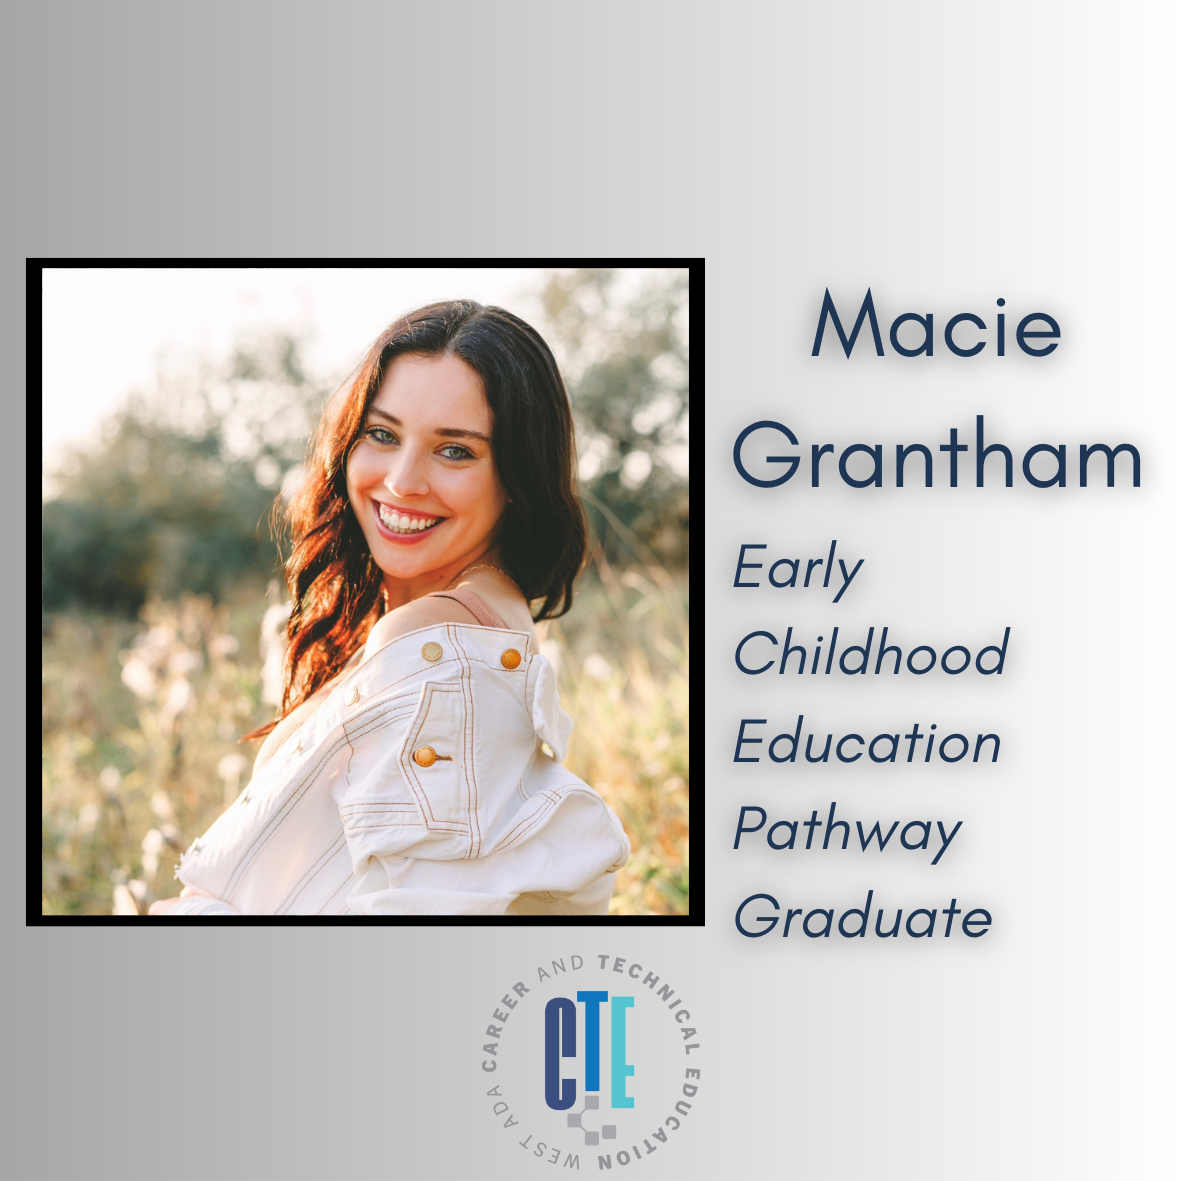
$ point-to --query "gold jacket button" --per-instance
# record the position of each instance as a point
(353, 697)
(432, 651)
(424, 756)
(510, 658)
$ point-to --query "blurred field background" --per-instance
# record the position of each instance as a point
(160, 586)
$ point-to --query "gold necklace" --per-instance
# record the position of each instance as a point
(485, 566)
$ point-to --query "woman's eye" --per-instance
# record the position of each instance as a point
(380, 435)
(455, 451)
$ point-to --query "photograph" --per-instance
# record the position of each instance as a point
(365, 591)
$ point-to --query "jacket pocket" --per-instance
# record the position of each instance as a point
(437, 762)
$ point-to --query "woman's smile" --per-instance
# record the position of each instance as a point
(404, 525)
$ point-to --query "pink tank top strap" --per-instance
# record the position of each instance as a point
(475, 604)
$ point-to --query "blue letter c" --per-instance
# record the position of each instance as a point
(560, 1016)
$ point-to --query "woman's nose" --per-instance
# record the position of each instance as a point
(407, 474)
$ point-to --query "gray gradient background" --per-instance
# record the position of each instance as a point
(945, 156)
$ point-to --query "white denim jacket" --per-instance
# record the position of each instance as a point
(351, 815)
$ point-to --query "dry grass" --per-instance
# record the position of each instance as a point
(140, 725)
(624, 676)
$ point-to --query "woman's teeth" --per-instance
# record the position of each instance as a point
(398, 523)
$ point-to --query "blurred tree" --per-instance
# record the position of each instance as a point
(177, 497)
(625, 356)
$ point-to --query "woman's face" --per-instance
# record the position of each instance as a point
(421, 479)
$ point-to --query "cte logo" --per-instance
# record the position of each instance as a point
(561, 1030)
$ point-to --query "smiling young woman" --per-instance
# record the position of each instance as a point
(415, 766)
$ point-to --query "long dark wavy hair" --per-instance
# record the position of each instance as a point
(334, 583)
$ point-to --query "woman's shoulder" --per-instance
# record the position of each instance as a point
(503, 596)
(428, 611)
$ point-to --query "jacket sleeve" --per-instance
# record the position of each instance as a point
(498, 827)
(194, 903)
(563, 861)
